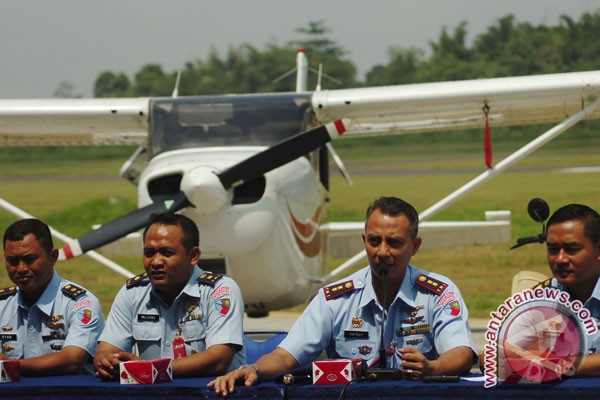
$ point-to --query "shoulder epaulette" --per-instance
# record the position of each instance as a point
(6, 292)
(138, 280)
(73, 291)
(338, 289)
(432, 285)
(208, 278)
(543, 284)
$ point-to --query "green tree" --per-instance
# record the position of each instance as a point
(109, 84)
(402, 68)
(152, 81)
(317, 40)
(65, 90)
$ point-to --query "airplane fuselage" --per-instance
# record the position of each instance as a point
(265, 232)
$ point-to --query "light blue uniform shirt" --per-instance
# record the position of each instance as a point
(593, 305)
(349, 326)
(201, 314)
(56, 320)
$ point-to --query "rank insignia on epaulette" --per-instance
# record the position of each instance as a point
(433, 285)
(208, 278)
(6, 292)
(542, 284)
(72, 291)
(138, 280)
(339, 289)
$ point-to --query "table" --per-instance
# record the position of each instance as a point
(90, 387)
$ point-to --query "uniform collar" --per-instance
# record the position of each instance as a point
(46, 301)
(369, 296)
(595, 293)
(595, 297)
(408, 286)
(190, 288)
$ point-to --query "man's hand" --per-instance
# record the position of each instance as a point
(107, 363)
(414, 364)
(4, 357)
(456, 361)
(225, 384)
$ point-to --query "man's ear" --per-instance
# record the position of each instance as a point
(416, 245)
(54, 256)
(195, 253)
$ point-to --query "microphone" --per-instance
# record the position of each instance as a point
(382, 372)
(295, 376)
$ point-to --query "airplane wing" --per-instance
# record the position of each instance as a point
(375, 110)
(459, 104)
(62, 122)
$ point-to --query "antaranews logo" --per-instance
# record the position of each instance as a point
(536, 336)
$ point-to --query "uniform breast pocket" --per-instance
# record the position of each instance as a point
(355, 348)
(13, 349)
(194, 335)
(146, 332)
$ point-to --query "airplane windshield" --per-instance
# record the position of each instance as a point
(240, 120)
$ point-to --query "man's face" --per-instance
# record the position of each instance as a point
(572, 257)
(168, 264)
(29, 266)
(388, 243)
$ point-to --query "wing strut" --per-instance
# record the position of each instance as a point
(474, 183)
(66, 239)
(510, 160)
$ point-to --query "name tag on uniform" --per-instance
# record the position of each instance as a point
(356, 334)
(8, 336)
(148, 317)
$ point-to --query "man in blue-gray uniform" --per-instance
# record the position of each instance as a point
(426, 321)
(174, 310)
(49, 324)
(573, 252)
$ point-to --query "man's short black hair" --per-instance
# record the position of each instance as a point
(19, 229)
(191, 235)
(579, 212)
(393, 206)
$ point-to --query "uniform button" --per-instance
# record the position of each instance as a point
(191, 335)
(146, 335)
(353, 350)
(168, 343)
(31, 329)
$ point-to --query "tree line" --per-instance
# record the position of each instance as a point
(506, 48)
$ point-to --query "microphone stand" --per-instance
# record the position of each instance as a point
(383, 373)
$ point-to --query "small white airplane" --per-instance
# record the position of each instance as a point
(252, 169)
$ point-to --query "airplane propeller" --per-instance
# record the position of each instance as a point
(244, 171)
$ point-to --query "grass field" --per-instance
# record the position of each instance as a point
(77, 187)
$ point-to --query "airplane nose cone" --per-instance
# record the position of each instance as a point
(204, 190)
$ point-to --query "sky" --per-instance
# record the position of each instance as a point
(43, 43)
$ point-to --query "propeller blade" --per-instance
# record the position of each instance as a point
(282, 153)
(251, 168)
(122, 226)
